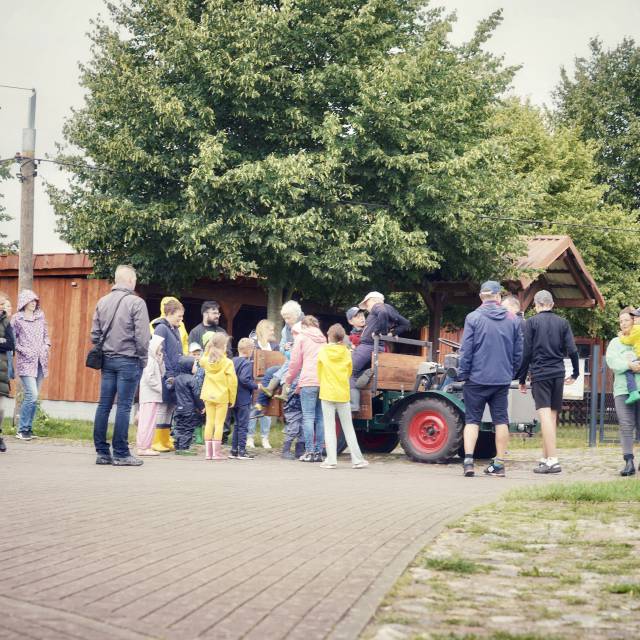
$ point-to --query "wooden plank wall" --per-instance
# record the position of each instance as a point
(69, 310)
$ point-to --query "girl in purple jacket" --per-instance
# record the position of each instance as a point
(32, 356)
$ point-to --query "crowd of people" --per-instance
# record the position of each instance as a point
(191, 388)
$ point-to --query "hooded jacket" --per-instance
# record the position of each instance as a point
(151, 381)
(182, 330)
(246, 382)
(187, 399)
(220, 381)
(334, 371)
(7, 345)
(31, 338)
(491, 348)
(304, 356)
(172, 354)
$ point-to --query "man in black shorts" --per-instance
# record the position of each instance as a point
(490, 356)
(547, 338)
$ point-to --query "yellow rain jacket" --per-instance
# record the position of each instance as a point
(220, 381)
(184, 336)
(334, 371)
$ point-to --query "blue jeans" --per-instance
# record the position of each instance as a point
(120, 374)
(31, 388)
(312, 421)
(265, 426)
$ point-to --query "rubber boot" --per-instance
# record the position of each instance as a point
(198, 436)
(208, 450)
(634, 396)
(217, 450)
(268, 391)
(300, 448)
(158, 440)
(286, 449)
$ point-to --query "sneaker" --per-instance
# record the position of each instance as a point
(147, 452)
(129, 461)
(233, 455)
(243, 455)
(32, 435)
(23, 435)
(104, 459)
(306, 457)
(328, 465)
(266, 444)
(317, 457)
(250, 443)
(495, 470)
(360, 465)
(3, 446)
(468, 469)
(548, 468)
(185, 452)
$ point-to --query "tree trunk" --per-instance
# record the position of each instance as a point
(274, 304)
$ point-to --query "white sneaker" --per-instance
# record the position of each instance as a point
(250, 442)
(361, 465)
(265, 443)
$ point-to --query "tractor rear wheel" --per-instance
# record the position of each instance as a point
(431, 430)
(372, 442)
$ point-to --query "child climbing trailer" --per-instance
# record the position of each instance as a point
(416, 402)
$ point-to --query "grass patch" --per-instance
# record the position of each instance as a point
(516, 546)
(498, 635)
(581, 492)
(575, 600)
(456, 565)
(536, 572)
(631, 588)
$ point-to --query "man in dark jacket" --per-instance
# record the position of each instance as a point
(243, 365)
(189, 406)
(490, 357)
(210, 311)
(124, 318)
(547, 341)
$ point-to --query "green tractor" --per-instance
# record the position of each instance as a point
(417, 402)
(414, 401)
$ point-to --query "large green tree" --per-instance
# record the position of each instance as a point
(602, 98)
(321, 144)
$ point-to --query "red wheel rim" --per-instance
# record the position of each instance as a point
(428, 431)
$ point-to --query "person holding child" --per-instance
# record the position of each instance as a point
(308, 340)
(150, 397)
(243, 366)
(334, 373)
(218, 392)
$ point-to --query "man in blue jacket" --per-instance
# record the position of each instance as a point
(490, 357)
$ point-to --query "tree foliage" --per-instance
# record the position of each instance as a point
(5, 247)
(603, 100)
(322, 144)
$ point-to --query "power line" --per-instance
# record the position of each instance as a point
(11, 86)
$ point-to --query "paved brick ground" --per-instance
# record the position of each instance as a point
(183, 548)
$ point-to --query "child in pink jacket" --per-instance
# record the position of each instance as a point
(308, 340)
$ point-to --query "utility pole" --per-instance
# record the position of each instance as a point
(27, 176)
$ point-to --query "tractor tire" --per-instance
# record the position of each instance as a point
(372, 442)
(485, 446)
(431, 430)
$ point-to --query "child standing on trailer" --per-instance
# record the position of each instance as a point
(334, 373)
(243, 365)
(218, 392)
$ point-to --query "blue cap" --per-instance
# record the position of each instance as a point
(491, 286)
(353, 312)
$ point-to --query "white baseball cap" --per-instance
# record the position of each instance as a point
(371, 294)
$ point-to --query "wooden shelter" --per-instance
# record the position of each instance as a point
(553, 262)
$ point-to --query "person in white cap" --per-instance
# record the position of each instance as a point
(383, 319)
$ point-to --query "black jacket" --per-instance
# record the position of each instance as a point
(187, 398)
(383, 319)
(195, 335)
(246, 383)
(7, 344)
(548, 340)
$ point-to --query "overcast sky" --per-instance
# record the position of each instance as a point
(41, 43)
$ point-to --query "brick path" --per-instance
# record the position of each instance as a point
(182, 548)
